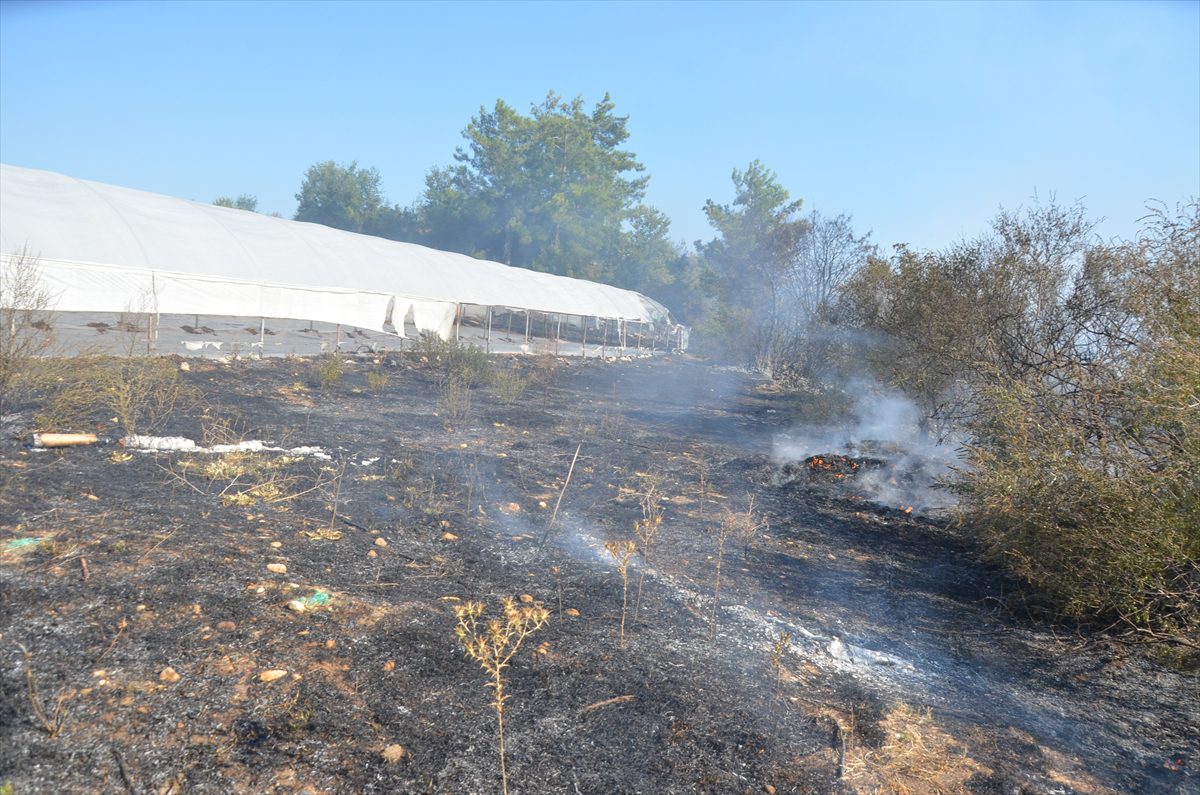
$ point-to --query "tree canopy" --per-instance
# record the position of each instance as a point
(344, 197)
(243, 202)
(553, 191)
(758, 234)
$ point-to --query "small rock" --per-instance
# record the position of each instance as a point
(277, 568)
(226, 626)
(296, 605)
(169, 675)
(394, 753)
(381, 542)
(542, 504)
(272, 675)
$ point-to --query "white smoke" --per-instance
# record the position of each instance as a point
(883, 426)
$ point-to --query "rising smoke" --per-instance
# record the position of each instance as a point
(901, 465)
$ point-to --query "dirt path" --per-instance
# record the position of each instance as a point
(903, 669)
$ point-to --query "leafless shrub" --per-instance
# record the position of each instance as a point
(145, 391)
(732, 524)
(142, 391)
(493, 646)
(646, 529)
(454, 405)
(51, 722)
(621, 553)
(776, 658)
(25, 321)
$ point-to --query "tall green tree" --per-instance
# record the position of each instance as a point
(344, 197)
(553, 191)
(751, 262)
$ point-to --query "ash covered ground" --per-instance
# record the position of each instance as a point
(907, 666)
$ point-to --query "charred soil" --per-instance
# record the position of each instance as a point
(144, 595)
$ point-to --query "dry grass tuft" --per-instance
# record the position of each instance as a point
(917, 757)
(454, 404)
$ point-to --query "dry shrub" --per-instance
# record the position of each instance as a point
(454, 361)
(145, 391)
(72, 400)
(25, 322)
(325, 372)
(377, 381)
(646, 529)
(493, 644)
(916, 757)
(142, 391)
(244, 478)
(545, 368)
(454, 405)
(219, 426)
(621, 553)
(731, 524)
(508, 385)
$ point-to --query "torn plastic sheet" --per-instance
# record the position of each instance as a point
(180, 444)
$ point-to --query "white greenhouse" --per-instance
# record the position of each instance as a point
(106, 249)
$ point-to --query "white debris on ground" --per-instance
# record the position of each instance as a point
(757, 630)
(180, 444)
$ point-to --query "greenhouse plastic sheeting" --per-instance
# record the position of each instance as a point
(109, 249)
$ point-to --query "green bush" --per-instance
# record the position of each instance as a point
(1093, 496)
(326, 372)
(377, 381)
(508, 385)
(454, 360)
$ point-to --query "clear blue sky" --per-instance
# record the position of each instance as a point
(919, 119)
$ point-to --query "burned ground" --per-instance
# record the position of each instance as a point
(909, 668)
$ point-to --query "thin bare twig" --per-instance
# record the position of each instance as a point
(125, 777)
(607, 703)
(162, 541)
(558, 502)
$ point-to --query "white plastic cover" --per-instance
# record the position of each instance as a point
(108, 249)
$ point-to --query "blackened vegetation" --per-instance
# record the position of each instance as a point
(912, 666)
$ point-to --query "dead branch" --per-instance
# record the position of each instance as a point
(558, 502)
(607, 703)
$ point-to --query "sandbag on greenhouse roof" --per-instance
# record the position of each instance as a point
(109, 249)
